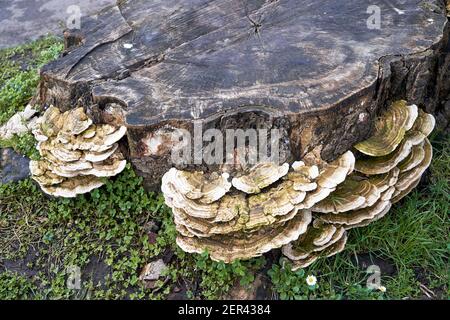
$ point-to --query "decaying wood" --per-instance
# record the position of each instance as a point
(312, 68)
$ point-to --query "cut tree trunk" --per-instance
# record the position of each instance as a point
(318, 70)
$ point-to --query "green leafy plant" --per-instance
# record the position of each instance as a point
(24, 144)
(19, 73)
(358, 292)
(106, 223)
(19, 77)
(16, 287)
(218, 277)
(288, 284)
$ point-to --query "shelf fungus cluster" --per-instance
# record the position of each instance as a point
(75, 154)
(262, 209)
(306, 208)
(389, 165)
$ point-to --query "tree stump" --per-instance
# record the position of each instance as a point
(320, 71)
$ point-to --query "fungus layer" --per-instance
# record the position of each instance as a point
(415, 136)
(351, 195)
(321, 240)
(259, 177)
(238, 216)
(390, 130)
(393, 175)
(228, 248)
(329, 177)
(389, 167)
(75, 153)
(271, 206)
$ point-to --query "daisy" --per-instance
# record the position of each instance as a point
(311, 280)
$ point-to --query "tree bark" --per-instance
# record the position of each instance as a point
(318, 70)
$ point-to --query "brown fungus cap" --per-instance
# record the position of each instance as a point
(374, 218)
(303, 176)
(259, 177)
(70, 188)
(75, 153)
(330, 176)
(228, 248)
(352, 194)
(303, 252)
(318, 237)
(352, 218)
(400, 194)
(76, 122)
(206, 188)
(414, 137)
(415, 157)
(379, 165)
(386, 180)
(390, 128)
(412, 174)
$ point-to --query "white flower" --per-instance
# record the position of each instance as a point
(382, 288)
(128, 45)
(311, 280)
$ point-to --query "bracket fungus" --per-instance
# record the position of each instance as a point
(415, 136)
(390, 130)
(389, 166)
(262, 209)
(306, 208)
(352, 194)
(75, 153)
(410, 175)
(329, 177)
(243, 245)
(408, 161)
(259, 177)
(321, 240)
(197, 186)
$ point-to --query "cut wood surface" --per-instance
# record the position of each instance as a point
(314, 68)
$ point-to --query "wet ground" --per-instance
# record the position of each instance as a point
(13, 166)
(25, 20)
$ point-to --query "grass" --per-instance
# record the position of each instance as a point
(23, 144)
(19, 73)
(19, 77)
(111, 223)
(111, 233)
(108, 223)
(413, 238)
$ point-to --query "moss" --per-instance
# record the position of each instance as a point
(20, 73)
(24, 144)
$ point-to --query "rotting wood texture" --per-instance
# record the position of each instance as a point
(311, 68)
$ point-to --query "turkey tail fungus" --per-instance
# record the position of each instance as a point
(75, 154)
(306, 208)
